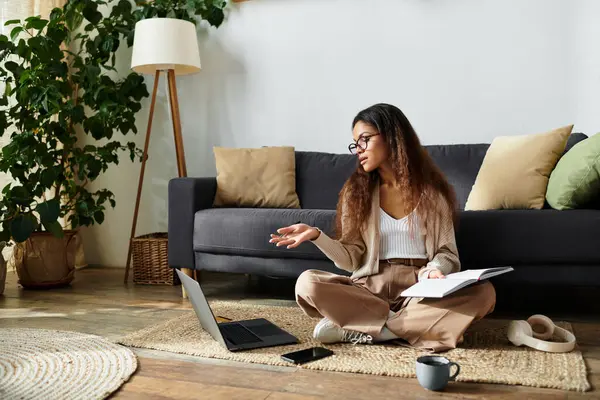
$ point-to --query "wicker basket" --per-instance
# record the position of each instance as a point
(150, 260)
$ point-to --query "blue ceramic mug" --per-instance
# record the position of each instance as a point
(433, 372)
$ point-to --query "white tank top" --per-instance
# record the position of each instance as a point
(396, 240)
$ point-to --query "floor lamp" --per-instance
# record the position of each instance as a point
(171, 46)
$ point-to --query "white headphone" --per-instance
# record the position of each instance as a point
(522, 333)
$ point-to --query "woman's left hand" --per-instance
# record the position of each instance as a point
(436, 274)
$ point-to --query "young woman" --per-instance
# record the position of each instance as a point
(395, 226)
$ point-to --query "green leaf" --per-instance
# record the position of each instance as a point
(74, 18)
(125, 6)
(124, 127)
(74, 220)
(130, 38)
(135, 107)
(3, 122)
(12, 22)
(11, 66)
(99, 217)
(49, 210)
(58, 34)
(92, 72)
(56, 14)
(4, 43)
(96, 128)
(14, 34)
(112, 202)
(48, 177)
(78, 114)
(90, 12)
(35, 23)
(94, 168)
(108, 44)
(215, 16)
(55, 228)
(20, 196)
(22, 49)
(22, 227)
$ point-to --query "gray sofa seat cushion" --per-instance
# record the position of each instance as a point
(520, 237)
(484, 238)
(246, 231)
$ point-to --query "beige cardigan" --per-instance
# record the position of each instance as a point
(361, 256)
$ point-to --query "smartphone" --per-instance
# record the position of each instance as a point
(306, 355)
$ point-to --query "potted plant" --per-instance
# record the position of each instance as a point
(59, 86)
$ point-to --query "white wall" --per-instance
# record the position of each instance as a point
(295, 72)
(585, 67)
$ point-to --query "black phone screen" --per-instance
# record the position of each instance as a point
(306, 355)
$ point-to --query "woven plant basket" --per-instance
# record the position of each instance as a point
(150, 260)
(44, 261)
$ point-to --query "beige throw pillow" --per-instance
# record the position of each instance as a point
(261, 177)
(515, 171)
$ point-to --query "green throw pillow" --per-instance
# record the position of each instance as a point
(575, 180)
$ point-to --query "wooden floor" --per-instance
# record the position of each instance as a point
(98, 302)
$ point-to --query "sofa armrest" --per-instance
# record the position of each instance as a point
(186, 197)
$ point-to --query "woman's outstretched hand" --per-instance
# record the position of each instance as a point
(293, 235)
(436, 274)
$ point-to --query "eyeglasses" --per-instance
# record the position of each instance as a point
(363, 143)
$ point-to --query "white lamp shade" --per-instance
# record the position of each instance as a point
(165, 43)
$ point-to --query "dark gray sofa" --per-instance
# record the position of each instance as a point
(544, 246)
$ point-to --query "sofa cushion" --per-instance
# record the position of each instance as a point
(518, 237)
(515, 171)
(575, 181)
(246, 232)
(460, 164)
(321, 176)
(575, 138)
(484, 238)
(256, 177)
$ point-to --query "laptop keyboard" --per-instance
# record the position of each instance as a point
(266, 330)
(237, 334)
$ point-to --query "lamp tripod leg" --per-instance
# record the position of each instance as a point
(181, 165)
(142, 171)
(174, 102)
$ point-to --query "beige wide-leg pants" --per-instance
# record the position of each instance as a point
(363, 305)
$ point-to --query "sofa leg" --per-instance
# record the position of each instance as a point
(190, 273)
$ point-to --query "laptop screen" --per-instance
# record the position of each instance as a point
(201, 307)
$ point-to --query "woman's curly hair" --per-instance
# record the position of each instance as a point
(420, 180)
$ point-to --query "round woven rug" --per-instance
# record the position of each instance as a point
(48, 364)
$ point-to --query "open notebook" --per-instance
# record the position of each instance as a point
(453, 282)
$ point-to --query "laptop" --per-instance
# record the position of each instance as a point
(238, 335)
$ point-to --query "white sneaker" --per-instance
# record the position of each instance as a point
(328, 332)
